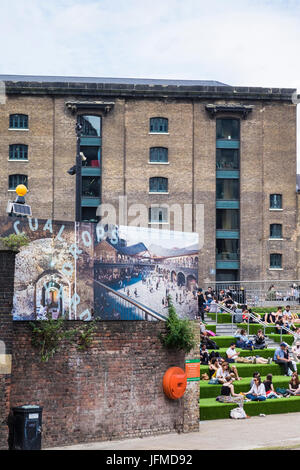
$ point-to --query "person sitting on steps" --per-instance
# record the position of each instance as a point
(257, 391)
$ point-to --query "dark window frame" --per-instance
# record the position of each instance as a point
(159, 209)
(159, 180)
(23, 148)
(274, 228)
(19, 121)
(157, 123)
(228, 119)
(23, 180)
(156, 150)
(81, 116)
(275, 265)
(272, 206)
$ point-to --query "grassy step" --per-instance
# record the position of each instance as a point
(289, 339)
(245, 352)
(225, 341)
(222, 317)
(246, 370)
(212, 391)
(211, 409)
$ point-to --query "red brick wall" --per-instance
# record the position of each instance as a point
(7, 267)
(111, 391)
(4, 409)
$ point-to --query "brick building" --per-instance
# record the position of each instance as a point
(163, 143)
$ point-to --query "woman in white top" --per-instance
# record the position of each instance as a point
(257, 391)
(224, 372)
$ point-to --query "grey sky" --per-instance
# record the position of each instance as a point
(238, 42)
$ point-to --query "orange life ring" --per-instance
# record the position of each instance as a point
(174, 383)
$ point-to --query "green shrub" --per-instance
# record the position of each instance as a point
(222, 317)
(180, 334)
(14, 241)
(289, 339)
(48, 336)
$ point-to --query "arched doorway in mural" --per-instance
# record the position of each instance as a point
(52, 295)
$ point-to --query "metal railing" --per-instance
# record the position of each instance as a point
(253, 317)
(260, 293)
(114, 305)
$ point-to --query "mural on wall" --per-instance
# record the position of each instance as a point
(85, 271)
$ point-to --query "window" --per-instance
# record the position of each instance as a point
(227, 249)
(18, 121)
(275, 201)
(158, 155)
(91, 126)
(275, 231)
(227, 275)
(158, 125)
(228, 129)
(91, 186)
(158, 185)
(158, 215)
(18, 152)
(227, 159)
(88, 214)
(91, 155)
(275, 261)
(228, 189)
(15, 180)
(227, 219)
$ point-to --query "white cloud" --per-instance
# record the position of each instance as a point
(246, 42)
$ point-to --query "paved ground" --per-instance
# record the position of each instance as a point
(273, 431)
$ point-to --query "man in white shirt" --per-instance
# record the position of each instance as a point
(232, 353)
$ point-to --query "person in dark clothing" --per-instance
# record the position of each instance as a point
(281, 356)
(201, 303)
(204, 356)
(209, 343)
(259, 340)
(270, 317)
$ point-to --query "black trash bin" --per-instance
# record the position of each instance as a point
(25, 428)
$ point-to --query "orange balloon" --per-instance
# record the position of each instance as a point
(21, 190)
(174, 383)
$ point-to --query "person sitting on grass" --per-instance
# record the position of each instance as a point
(256, 315)
(204, 356)
(243, 340)
(209, 343)
(225, 371)
(213, 366)
(270, 318)
(257, 391)
(279, 325)
(270, 392)
(294, 385)
(260, 340)
(227, 389)
(254, 376)
(232, 353)
(281, 357)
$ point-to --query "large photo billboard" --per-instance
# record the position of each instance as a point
(82, 271)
